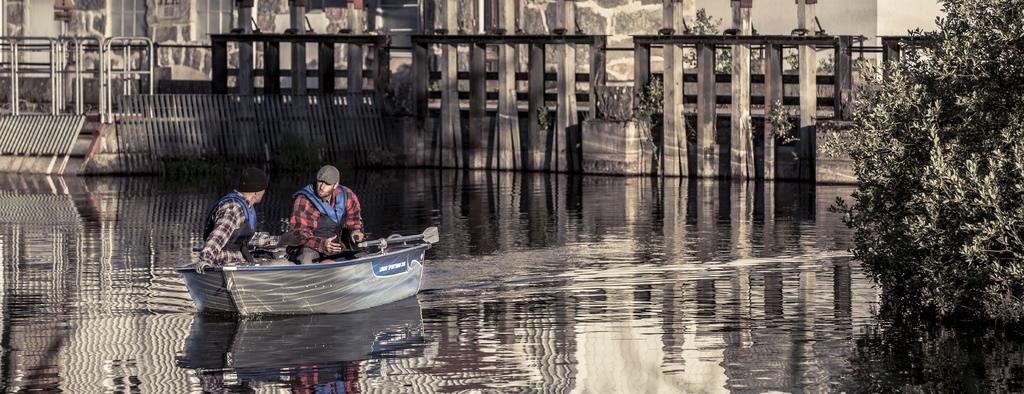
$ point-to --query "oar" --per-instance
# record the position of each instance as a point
(430, 236)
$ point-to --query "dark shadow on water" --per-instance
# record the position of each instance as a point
(936, 359)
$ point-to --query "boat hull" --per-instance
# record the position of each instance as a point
(308, 289)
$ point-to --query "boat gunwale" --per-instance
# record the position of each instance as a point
(337, 264)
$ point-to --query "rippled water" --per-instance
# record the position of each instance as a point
(540, 283)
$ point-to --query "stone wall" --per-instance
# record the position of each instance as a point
(171, 23)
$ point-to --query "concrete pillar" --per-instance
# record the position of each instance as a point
(507, 144)
(707, 146)
(451, 128)
(673, 141)
(742, 142)
(298, 25)
(808, 92)
(567, 122)
(356, 17)
(245, 59)
(479, 128)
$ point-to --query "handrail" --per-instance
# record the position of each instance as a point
(79, 56)
(15, 43)
(126, 73)
(61, 50)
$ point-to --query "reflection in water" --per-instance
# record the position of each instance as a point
(541, 282)
(323, 351)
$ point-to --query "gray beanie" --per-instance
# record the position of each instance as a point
(328, 174)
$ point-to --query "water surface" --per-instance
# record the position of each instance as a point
(546, 283)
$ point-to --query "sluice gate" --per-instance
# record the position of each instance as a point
(38, 143)
(154, 129)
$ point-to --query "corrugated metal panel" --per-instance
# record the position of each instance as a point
(28, 141)
(249, 129)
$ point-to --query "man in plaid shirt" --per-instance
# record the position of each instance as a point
(231, 225)
(320, 214)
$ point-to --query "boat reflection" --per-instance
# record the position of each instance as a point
(305, 350)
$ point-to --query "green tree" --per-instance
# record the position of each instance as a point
(939, 153)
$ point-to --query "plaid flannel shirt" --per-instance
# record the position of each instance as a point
(305, 217)
(229, 217)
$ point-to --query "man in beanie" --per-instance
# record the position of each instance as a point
(231, 225)
(321, 213)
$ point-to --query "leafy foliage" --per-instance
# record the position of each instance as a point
(939, 152)
(650, 103)
(780, 119)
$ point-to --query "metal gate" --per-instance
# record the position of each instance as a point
(38, 143)
(249, 129)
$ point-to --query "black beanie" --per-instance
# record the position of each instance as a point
(253, 180)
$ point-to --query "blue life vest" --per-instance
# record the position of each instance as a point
(331, 218)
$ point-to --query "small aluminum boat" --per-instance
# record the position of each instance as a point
(395, 273)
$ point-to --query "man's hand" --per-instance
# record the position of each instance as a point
(358, 236)
(332, 246)
(291, 238)
(202, 266)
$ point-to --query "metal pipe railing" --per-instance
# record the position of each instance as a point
(65, 56)
(127, 73)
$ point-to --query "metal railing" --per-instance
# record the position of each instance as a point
(121, 59)
(14, 48)
(126, 73)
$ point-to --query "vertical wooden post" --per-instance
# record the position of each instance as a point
(421, 80)
(298, 24)
(808, 93)
(890, 54)
(451, 128)
(421, 87)
(688, 8)
(382, 73)
(598, 71)
(220, 66)
(707, 146)
(773, 94)
(844, 78)
(245, 68)
(742, 144)
(507, 145)
(536, 139)
(325, 67)
(641, 69)
(355, 51)
(271, 67)
(673, 126)
(567, 122)
(373, 16)
(427, 14)
(479, 133)
(490, 15)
